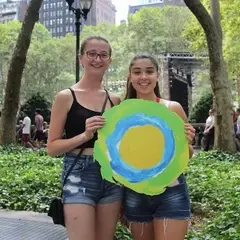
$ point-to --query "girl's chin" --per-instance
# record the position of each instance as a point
(100, 71)
(144, 91)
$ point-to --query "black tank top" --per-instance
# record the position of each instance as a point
(77, 116)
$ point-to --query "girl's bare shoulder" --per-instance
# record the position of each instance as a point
(115, 98)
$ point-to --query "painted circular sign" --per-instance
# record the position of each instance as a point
(142, 146)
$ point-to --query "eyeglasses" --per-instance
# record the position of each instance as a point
(95, 55)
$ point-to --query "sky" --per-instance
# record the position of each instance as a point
(122, 8)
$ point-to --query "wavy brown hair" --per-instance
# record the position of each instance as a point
(131, 92)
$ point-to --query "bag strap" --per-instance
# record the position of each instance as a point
(105, 102)
(82, 149)
(70, 169)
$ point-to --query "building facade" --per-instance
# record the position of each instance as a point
(154, 3)
(57, 18)
(12, 10)
(142, 2)
(105, 12)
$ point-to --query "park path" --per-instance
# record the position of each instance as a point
(29, 226)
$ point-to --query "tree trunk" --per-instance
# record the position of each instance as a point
(11, 99)
(218, 76)
(238, 90)
(216, 17)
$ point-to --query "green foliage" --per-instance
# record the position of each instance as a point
(230, 12)
(231, 23)
(156, 30)
(37, 102)
(194, 33)
(48, 62)
(214, 184)
(201, 83)
(8, 33)
(50, 65)
(200, 111)
(122, 232)
(28, 180)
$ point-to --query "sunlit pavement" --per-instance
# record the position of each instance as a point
(29, 226)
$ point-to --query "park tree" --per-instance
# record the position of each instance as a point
(48, 61)
(157, 30)
(194, 34)
(231, 47)
(218, 73)
(17, 63)
(8, 33)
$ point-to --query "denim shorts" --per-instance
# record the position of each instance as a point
(174, 203)
(85, 184)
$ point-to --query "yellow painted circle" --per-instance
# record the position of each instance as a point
(142, 147)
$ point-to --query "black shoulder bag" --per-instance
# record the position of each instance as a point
(56, 211)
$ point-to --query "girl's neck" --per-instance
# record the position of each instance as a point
(150, 96)
(92, 82)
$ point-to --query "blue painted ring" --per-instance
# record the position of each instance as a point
(132, 174)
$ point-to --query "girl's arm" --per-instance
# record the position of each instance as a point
(178, 109)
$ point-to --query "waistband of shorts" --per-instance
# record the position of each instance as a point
(83, 157)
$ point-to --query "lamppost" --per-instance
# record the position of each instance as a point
(81, 11)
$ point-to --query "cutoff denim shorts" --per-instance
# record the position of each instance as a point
(85, 184)
(174, 203)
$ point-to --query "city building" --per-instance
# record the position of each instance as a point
(12, 10)
(142, 2)
(105, 11)
(154, 3)
(57, 18)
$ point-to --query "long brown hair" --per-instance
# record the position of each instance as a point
(131, 92)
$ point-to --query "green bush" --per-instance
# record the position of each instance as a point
(37, 102)
(214, 185)
(28, 180)
(200, 110)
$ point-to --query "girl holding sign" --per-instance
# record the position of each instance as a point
(163, 216)
(91, 204)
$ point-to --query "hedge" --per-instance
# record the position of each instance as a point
(29, 179)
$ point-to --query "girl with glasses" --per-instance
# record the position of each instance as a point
(91, 204)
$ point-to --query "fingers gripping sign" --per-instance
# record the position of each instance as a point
(190, 132)
(93, 124)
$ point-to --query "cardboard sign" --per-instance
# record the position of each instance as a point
(142, 146)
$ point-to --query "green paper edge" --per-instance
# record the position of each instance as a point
(155, 185)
